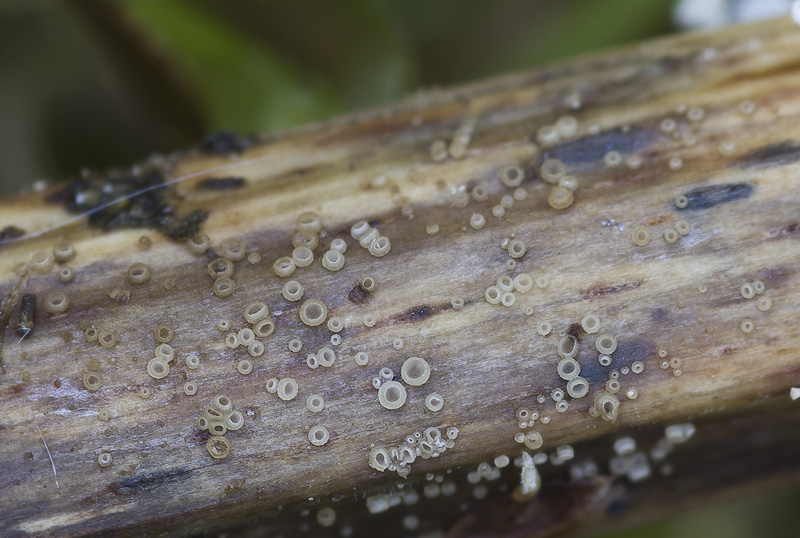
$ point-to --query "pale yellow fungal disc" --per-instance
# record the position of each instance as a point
(56, 302)
(477, 221)
(392, 395)
(256, 311)
(612, 159)
(308, 222)
(244, 367)
(606, 344)
(578, 387)
(512, 176)
(318, 435)
(157, 368)
(41, 261)
(434, 402)
(315, 403)
(256, 349)
(747, 325)
(523, 282)
(747, 291)
(568, 369)
(794, 393)
(681, 201)
(640, 236)
(544, 328)
(218, 447)
(552, 170)
(606, 405)
(92, 381)
(313, 312)
(764, 303)
(198, 244)
(233, 249)
(683, 227)
(335, 324)
(590, 323)
(272, 385)
(104, 459)
(264, 328)
(560, 197)
(284, 267)
(415, 371)
(326, 516)
(224, 287)
(326, 357)
(380, 247)
(302, 256)
(567, 347)
(516, 249)
(493, 295)
(287, 389)
(333, 260)
(670, 235)
(246, 336)
(190, 388)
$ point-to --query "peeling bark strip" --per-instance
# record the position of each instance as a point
(473, 312)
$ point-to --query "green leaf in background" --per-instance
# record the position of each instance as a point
(244, 85)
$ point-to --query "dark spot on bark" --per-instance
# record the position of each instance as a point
(11, 232)
(602, 291)
(790, 229)
(779, 154)
(397, 377)
(417, 313)
(576, 330)
(145, 482)
(187, 227)
(221, 183)
(627, 352)
(590, 150)
(27, 312)
(659, 315)
(706, 197)
(225, 142)
(27, 456)
(128, 200)
(358, 295)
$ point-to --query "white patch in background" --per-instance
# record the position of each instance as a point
(710, 14)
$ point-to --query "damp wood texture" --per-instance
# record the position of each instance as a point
(559, 300)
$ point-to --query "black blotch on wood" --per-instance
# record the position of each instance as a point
(780, 154)
(11, 232)
(590, 150)
(221, 184)
(659, 315)
(417, 313)
(625, 354)
(224, 142)
(144, 482)
(27, 312)
(576, 330)
(706, 197)
(358, 295)
(602, 291)
(128, 200)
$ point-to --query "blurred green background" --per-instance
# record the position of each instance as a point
(99, 83)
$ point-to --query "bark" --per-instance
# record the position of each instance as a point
(732, 151)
